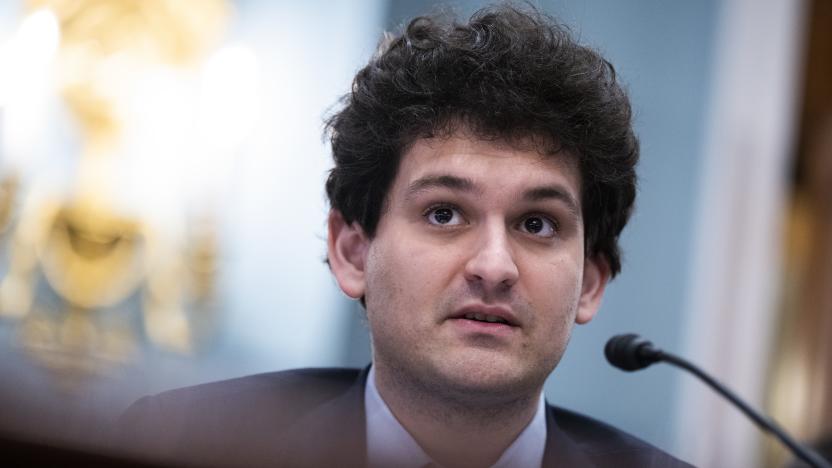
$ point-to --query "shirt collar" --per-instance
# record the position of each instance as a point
(389, 443)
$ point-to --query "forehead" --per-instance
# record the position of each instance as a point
(490, 164)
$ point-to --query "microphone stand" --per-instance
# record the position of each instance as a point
(766, 424)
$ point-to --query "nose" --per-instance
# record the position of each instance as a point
(492, 262)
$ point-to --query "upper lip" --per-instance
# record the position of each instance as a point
(501, 312)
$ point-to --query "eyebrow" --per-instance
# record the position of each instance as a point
(464, 184)
(553, 192)
(455, 183)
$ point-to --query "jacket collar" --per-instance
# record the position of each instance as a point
(561, 450)
(334, 434)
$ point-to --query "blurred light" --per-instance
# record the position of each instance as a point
(158, 143)
(229, 106)
(162, 106)
(38, 38)
(227, 111)
(25, 63)
(28, 54)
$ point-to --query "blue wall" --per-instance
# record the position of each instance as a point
(663, 51)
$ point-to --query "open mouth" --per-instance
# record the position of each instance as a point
(485, 318)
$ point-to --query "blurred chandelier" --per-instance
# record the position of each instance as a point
(94, 270)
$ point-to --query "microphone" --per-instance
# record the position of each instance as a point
(630, 353)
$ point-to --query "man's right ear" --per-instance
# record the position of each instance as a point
(347, 253)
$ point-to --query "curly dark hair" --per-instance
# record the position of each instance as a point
(509, 74)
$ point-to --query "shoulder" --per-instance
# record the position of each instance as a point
(606, 445)
(230, 414)
(293, 389)
(309, 384)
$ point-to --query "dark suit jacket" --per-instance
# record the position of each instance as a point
(315, 417)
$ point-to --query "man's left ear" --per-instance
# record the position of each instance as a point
(596, 276)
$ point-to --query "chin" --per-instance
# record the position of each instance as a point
(472, 376)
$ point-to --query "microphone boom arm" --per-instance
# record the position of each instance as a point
(630, 352)
(765, 423)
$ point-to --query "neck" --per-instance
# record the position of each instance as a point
(456, 431)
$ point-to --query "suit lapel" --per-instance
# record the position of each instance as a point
(334, 434)
(561, 450)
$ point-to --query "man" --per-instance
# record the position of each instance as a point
(483, 173)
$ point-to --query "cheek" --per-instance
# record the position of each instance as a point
(406, 270)
(555, 305)
(394, 286)
(554, 292)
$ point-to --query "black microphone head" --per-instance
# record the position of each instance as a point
(630, 352)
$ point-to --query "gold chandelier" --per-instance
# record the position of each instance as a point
(88, 281)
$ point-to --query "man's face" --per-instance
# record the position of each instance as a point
(476, 272)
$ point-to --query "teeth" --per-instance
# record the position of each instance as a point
(485, 318)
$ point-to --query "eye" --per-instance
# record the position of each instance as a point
(539, 226)
(443, 216)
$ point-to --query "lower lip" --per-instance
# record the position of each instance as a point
(482, 328)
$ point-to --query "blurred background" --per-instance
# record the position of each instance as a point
(162, 216)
